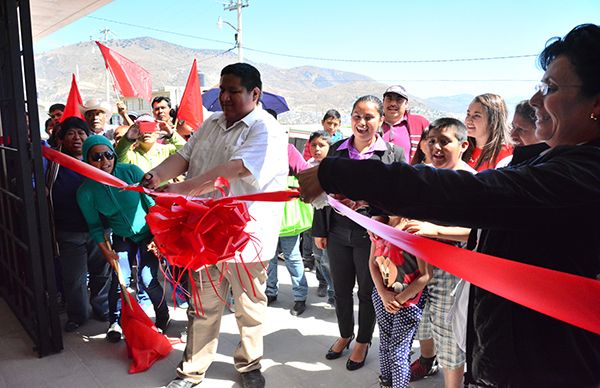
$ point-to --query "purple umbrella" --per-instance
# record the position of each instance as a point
(210, 100)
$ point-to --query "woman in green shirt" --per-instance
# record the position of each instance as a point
(124, 212)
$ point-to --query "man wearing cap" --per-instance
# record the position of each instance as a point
(96, 114)
(400, 126)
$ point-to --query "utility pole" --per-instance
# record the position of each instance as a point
(236, 5)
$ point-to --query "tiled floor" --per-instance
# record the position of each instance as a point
(294, 353)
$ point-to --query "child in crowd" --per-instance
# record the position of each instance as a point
(445, 144)
(420, 156)
(487, 126)
(319, 143)
(398, 298)
(331, 124)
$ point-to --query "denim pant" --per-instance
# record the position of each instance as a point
(293, 261)
(80, 256)
(148, 267)
(322, 263)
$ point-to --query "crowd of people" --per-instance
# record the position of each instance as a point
(526, 191)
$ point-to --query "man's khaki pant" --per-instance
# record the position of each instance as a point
(203, 330)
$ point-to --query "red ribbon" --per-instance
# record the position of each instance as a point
(189, 232)
(569, 298)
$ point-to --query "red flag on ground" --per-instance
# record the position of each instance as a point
(145, 345)
(131, 80)
(190, 108)
(73, 102)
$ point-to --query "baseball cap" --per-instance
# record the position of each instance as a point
(398, 89)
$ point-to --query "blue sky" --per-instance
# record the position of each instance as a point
(358, 31)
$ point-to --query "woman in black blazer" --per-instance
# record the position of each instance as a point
(347, 243)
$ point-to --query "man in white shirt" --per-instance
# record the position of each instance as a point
(247, 146)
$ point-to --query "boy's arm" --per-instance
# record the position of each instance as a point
(428, 229)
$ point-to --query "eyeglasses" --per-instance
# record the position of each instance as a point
(96, 157)
(546, 88)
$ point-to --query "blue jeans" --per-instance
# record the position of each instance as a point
(293, 261)
(148, 270)
(322, 263)
(80, 256)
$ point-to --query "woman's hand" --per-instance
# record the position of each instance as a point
(310, 187)
(112, 257)
(390, 303)
(321, 242)
(150, 180)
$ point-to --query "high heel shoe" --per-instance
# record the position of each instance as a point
(353, 365)
(331, 355)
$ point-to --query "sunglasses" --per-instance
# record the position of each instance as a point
(96, 157)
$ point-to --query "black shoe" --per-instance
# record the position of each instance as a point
(299, 308)
(322, 290)
(253, 379)
(71, 326)
(331, 355)
(180, 383)
(353, 365)
(162, 323)
(271, 299)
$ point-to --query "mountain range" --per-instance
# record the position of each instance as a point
(309, 90)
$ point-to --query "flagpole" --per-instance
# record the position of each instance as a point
(107, 86)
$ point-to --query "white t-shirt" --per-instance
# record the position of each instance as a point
(260, 142)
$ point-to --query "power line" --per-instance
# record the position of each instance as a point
(347, 60)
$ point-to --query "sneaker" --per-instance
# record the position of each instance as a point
(253, 379)
(330, 303)
(271, 299)
(419, 371)
(299, 308)
(322, 290)
(71, 326)
(114, 333)
(180, 383)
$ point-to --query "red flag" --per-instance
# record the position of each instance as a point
(145, 345)
(73, 102)
(131, 80)
(190, 108)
